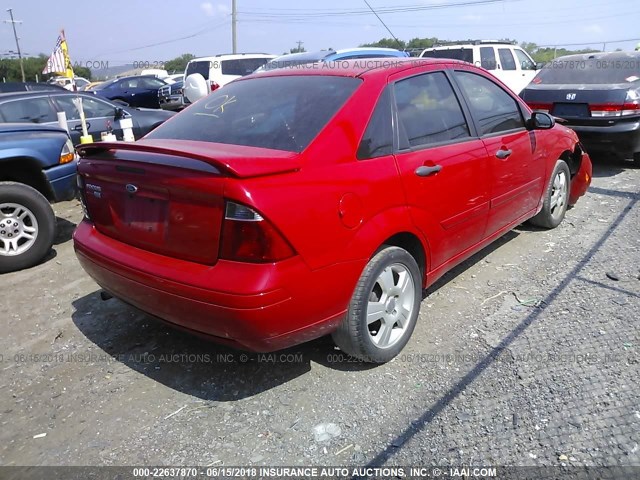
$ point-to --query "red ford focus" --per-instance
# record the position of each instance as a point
(304, 202)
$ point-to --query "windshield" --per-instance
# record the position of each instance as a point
(280, 113)
(591, 71)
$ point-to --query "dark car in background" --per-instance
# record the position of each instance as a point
(170, 96)
(135, 91)
(8, 87)
(597, 95)
(101, 114)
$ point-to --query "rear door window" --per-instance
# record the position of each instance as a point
(488, 58)
(29, 110)
(93, 108)
(428, 111)
(494, 109)
(506, 59)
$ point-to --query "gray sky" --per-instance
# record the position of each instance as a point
(115, 30)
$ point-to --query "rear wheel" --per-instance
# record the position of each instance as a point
(384, 308)
(556, 198)
(27, 226)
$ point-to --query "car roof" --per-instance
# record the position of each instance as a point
(474, 43)
(599, 56)
(358, 67)
(21, 127)
(232, 56)
(42, 93)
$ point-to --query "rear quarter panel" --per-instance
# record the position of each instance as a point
(335, 209)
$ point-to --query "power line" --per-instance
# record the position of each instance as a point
(165, 42)
(382, 22)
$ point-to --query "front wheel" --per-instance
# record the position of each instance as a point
(384, 307)
(27, 226)
(556, 198)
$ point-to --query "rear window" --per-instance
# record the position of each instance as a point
(198, 67)
(242, 66)
(593, 71)
(464, 54)
(280, 113)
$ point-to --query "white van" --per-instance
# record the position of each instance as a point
(510, 63)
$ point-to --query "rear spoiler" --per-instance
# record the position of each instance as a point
(241, 162)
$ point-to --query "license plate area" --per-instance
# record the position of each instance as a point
(571, 110)
(144, 217)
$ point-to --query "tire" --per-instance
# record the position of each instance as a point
(27, 226)
(556, 198)
(379, 293)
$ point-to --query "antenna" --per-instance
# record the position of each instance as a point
(382, 22)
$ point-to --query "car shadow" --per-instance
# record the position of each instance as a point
(471, 261)
(202, 368)
(190, 364)
(609, 165)
(64, 231)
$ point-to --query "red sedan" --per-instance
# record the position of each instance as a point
(304, 202)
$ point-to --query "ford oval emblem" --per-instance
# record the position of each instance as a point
(131, 188)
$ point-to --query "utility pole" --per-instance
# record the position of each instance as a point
(299, 42)
(15, 34)
(234, 26)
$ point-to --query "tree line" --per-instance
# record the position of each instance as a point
(33, 66)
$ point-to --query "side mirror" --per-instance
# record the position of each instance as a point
(119, 115)
(196, 87)
(540, 121)
(539, 66)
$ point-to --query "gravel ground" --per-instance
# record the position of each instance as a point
(526, 355)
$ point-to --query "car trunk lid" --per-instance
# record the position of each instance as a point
(580, 104)
(167, 197)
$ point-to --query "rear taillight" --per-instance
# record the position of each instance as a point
(631, 106)
(540, 107)
(611, 110)
(214, 86)
(248, 237)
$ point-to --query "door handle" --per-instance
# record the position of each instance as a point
(425, 171)
(78, 127)
(502, 154)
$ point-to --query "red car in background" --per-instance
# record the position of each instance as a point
(304, 202)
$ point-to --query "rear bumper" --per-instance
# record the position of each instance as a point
(62, 180)
(259, 307)
(621, 138)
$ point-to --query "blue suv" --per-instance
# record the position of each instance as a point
(37, 166)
